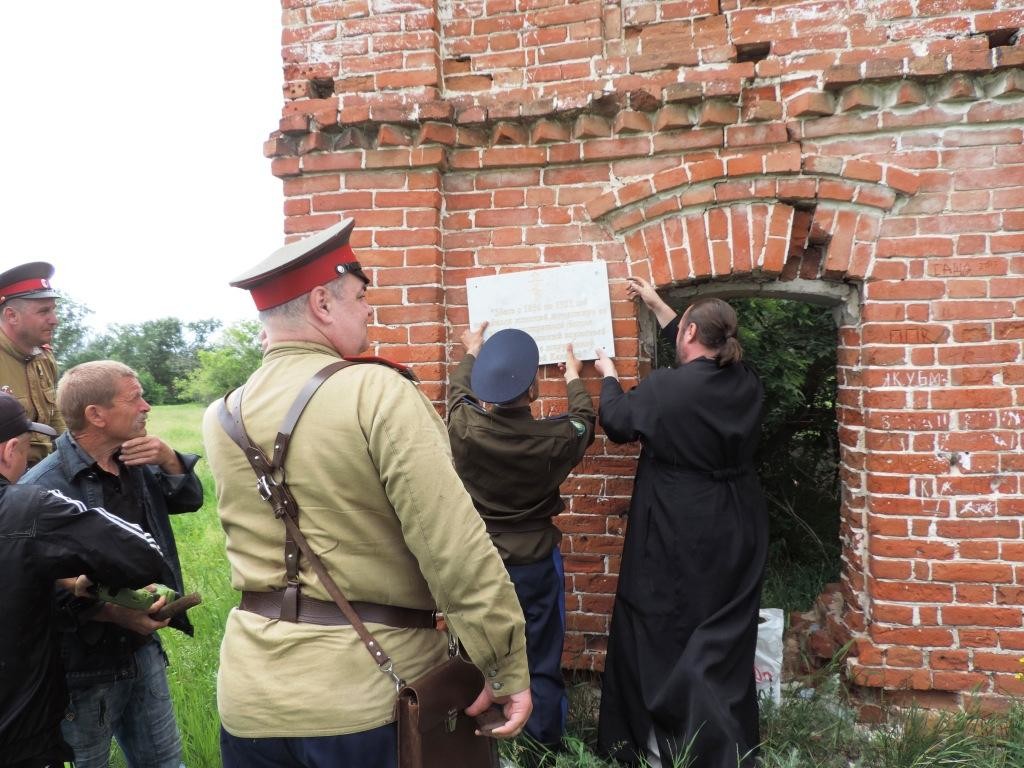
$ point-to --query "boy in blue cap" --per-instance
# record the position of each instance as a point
(512, 465)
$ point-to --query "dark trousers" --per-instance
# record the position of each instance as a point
(540, 587)
(47, 750)
(376, 748)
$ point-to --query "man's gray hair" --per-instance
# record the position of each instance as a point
(18, 304)
(295, 310)
(92, 383)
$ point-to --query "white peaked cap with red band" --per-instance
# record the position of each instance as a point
(27, 281)
(297, 268)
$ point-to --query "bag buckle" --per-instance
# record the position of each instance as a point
(453, 644)
(450, 722)
(388, 668)
(265, 485)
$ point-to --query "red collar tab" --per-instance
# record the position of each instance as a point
(23, 286)
(406, 372)
(304, 278)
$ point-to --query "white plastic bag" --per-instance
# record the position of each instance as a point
(768, 654)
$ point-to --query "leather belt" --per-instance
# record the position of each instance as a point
(325, 613)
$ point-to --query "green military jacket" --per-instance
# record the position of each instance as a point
(380, 502)
(33, 380)
(513, 464)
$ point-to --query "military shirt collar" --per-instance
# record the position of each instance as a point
(8, 346)
(513, 411)
(288, 348)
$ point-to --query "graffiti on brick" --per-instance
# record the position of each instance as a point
(921, 421)
(924, 487)
(977, 509)
(951, 269)
(908, 336)
(919, 378)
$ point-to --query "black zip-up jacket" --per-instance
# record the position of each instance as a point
(100, 652)
(45, 536)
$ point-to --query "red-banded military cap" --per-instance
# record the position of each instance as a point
(297, 268)
(27, 281)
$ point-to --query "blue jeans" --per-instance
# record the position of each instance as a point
(376, 748)
(136, 712)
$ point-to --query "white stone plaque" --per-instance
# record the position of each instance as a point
(555, 305)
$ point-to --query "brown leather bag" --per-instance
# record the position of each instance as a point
(433, 729)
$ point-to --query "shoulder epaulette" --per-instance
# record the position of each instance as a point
(407, 373)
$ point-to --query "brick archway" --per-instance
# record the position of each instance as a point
(776, 223)
(743, 215)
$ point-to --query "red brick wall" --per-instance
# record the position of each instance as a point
(865, 154)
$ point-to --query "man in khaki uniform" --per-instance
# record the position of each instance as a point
(380, 502)
(28, 370)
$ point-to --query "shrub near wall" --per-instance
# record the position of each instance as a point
(866, 155)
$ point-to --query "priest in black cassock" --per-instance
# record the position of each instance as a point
(679, 673)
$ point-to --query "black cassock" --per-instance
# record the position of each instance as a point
(684, 625)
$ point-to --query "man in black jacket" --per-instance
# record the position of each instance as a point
(45, 536)
(116, 668)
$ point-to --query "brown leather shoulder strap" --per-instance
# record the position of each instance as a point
(231, 417)
(271, 485)
(273, 488)
(301, 401)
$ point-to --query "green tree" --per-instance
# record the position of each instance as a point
(160, 351)
(225, 365)
(72, 333)
(793, 347)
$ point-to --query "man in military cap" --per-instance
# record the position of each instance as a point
(28, 370)
(512, 465)
(377, 495)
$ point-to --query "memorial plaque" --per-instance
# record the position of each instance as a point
(555, 305)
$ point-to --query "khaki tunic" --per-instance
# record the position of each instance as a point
(380, 502)
(33, 380)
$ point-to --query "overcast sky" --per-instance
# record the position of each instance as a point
(132, 137)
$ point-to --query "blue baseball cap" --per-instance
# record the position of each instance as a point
(505, 367)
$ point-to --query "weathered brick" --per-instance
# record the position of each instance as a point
(811, 104)
(912, 188)
(631, 121)
(673, 116)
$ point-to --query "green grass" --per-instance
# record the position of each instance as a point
(793, 585)
(814, 728)
(193, 671)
